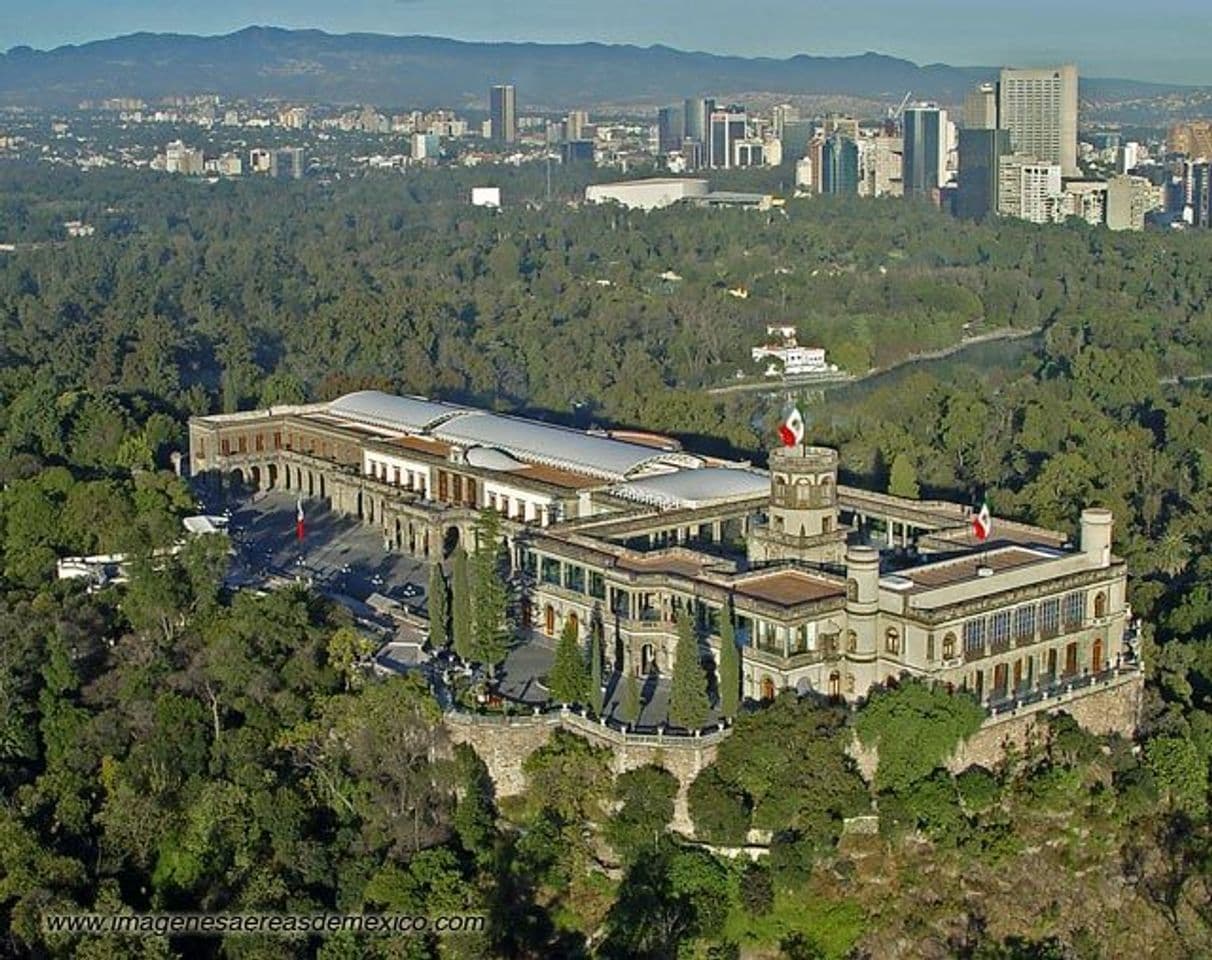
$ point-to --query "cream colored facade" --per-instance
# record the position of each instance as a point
(833, 589)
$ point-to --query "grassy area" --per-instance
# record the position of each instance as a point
(834, 926)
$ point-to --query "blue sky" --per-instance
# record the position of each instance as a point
(1146, 41)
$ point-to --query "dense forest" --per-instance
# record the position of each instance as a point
(168, 745)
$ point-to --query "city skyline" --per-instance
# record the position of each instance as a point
(1098, 37)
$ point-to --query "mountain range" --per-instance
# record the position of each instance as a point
(416, 71)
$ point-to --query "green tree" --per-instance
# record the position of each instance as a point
(460, 606)
(689, 705)
(489, 597)
(914, 727)
(595, 668)
(347, 652)
(902, 481)
(630, 705)
(568, 680)
(439, 612)
(730, 665)
(645, 795)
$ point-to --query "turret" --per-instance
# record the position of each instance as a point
(1096, 535)
(803, 491)
(862, 599)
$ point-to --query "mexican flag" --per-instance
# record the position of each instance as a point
(982, 523)
(791, 430)
(299, 519)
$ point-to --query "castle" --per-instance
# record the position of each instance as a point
(833, 589)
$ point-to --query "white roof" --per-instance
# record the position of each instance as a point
(692, 488)
(554, 446)
(510, 441)
(408, 414)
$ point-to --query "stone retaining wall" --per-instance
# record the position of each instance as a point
(504, 743)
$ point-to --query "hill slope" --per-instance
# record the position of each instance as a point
(390, 71)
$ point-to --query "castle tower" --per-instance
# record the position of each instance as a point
(862, 615)
(802, 522)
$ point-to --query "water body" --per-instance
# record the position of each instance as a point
(989, 361)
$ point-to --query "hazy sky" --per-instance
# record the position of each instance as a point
(1142, 40)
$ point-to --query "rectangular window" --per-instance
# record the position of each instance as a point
(530, 562)
(974, 636)
(1049, 618)
(1074, 610)
(574, 578)
(597, 585)
(929, 647)
(224, 446)
(277, 440)
(551, 571)
(999, 628)
(744, 630)
(201, 449)
(258, 443)
(1024, 623)
(242, 445)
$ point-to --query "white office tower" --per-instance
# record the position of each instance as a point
(1039, 108)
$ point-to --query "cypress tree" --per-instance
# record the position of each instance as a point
(730, 665)
(595, 669)
(568, 681)
(439, 609)
(460, 604)
(489, 597)
(630, 704)
(688, 703)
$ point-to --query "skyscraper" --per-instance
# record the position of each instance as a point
(698, 112)
(980, 154)
(839, 165)
(1039, 108)
(980, 108)
(503, 111)
(671, 128)
(727, 128)
(924, 150)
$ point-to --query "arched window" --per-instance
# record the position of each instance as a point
(835, 685)
(852, 590)
(892, 641)
(850, 683)
(767, 688)
(1100, 604)
(851, 641)
(949, 646)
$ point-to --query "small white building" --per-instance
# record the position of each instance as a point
(796, 360)
(486, 197)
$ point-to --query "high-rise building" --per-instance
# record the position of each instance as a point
(837, 123)
(881, 160)
(503, 113)
(574, 126)
(698, 111)
(671, 129)
(980, 108)
(178, 158)
(426, 146)
(1029, 190)
(839, 165)
(727, 128)
(1128, 200)
(576, 151)
(286, 163)
(1193, 139)
(1039, 108)
(781, 115)
(924, 151)
(795, 137)
(1197, 177)
(980, 154)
